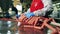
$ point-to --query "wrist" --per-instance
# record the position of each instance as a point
(28, 15)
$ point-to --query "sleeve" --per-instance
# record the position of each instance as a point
(47, 5)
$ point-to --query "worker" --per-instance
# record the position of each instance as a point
(39, 8)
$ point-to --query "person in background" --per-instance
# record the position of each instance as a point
(16, 11)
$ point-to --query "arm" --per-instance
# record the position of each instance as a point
(47, 7)
(54, 23)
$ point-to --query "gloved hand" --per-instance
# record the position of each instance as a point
(29, 14)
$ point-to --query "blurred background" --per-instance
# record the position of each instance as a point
(9, 8)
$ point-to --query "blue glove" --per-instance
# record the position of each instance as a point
(17, 16)
(28, 15)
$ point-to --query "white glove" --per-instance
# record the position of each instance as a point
(18, 24)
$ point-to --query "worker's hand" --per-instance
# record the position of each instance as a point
(28, 15)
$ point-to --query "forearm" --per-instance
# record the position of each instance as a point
(56, 24)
